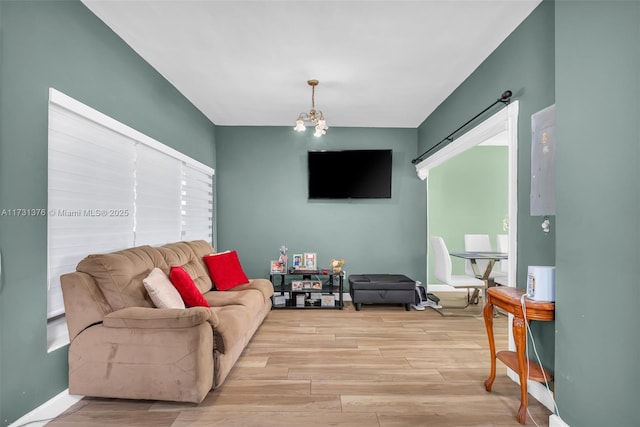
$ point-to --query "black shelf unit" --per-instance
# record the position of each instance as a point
(331, 284)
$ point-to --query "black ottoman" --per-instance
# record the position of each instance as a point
(382, 289)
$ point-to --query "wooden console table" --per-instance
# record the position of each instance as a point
(509, 299)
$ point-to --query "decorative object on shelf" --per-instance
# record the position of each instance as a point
(336, 265)
(314, 116)
(297, 261)
(328, 300)
(310, 261)
(279, 300)
(277, 267)
(296, 285)
(300, 299)
(283, 256)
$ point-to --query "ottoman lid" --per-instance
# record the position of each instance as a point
(381, 281)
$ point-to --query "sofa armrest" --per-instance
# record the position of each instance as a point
(159, 318)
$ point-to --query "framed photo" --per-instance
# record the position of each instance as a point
(296, 285)
(307, 284)
(310, 261)
(296, 262)
(328, 301)
(277, 267)
(316, 284)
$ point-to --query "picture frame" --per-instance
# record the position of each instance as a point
(296, 262)
(328, 301)
(276, 267)
(310, 261)
(296, 285)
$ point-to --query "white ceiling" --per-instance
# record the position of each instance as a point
(380, 63)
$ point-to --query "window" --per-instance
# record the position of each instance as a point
(111, 187)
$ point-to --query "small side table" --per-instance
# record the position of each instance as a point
(508, 299)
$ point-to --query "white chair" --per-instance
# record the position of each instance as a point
(442, 272)
(502, 273)
(476, 243)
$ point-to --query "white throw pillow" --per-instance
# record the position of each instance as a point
(161, 290)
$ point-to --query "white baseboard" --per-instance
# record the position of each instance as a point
(556, 421)
(48, 410)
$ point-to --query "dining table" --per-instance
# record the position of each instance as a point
(475, 256)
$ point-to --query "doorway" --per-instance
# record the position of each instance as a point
(503, 123)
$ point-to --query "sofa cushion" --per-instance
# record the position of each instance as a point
(263, 285)
(233, 324)
(183, 254)
(251, 298)
(225, 270)
(149, 318)
(119, 275)
(161, 290)
(186, 287)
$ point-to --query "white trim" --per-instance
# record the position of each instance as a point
(50, 409)
(64, 101)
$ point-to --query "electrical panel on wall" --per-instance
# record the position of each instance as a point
(543, 162)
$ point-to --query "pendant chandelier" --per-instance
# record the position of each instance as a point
(314, 116)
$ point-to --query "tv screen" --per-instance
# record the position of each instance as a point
(350, 174)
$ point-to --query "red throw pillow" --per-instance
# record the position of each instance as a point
(186, 288)
(225, 270)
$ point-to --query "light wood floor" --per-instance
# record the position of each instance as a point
(378, 367)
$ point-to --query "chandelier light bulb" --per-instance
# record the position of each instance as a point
(300, 127)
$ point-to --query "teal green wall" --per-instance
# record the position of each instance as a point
(262, 202)
(61, 44)
(468, 194)
(598, 212)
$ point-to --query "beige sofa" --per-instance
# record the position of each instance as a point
(123, 347)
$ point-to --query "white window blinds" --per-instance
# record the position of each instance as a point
(157, 197)
(111, 187)
(197, 205)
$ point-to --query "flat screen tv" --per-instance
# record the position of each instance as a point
(350, 174)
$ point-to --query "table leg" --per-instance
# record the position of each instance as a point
(520, 339)
(488, 322)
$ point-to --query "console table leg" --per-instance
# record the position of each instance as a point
(521, 344)
(488, 322)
